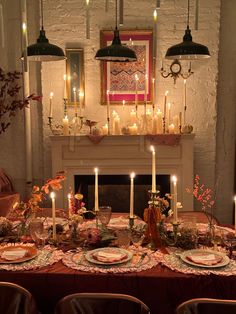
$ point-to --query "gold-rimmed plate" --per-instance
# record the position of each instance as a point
(205, 258)
(112, 256)
(17, 254)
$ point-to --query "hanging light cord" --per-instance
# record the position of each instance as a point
(42, 13)
(188, 16)
(116, 14)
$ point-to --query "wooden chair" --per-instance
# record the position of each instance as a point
(196, 216)
(207, 306)
(16, 299)
(101, 303)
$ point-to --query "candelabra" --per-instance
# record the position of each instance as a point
(175, 71)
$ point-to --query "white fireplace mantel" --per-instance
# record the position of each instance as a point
(121, 155)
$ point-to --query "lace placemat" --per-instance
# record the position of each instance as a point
(45, 257)
(142, 260)
(174, 262)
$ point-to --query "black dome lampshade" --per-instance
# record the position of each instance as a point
(116, 52)
(187, 50)
(42, 50)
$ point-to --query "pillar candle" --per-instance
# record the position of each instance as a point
(176, 124)
(131, 210)
(116, 125)
(133, 129)
(50, 104)
(96, 189)
(235, 215)
(65, 87)
(65, 123)
(105, 129)
(132, 116)
(153, 169)
(174, 197)
(52, 195)
(171, 128)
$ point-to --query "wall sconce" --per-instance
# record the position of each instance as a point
(175, 71)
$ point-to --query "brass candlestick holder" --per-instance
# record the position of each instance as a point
(131, 222)
(169, 240)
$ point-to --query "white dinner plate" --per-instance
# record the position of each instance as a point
(223, 262)
(127, 256)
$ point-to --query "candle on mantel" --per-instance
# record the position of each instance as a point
(133, 129)
(105, 129)
(174, 198)
(52, 195)
(65, 124)
(131, 210)
(165, 102)
(74, 93)
(185, 96)
(50, 104)
(96, 190)
(65, 86)
(69, 204)
(171, 128)
(168, 114)
(136, 92)
(145, 88)
(153, 169)
(132, 116)
(159, 121)
(235, 215)
(116, 125)
(108, 110)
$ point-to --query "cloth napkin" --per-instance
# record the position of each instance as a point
(13, 254)
(109, 257)
(207, 259)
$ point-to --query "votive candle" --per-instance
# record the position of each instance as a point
(131, 212)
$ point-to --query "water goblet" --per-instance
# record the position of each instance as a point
(123, 238)
(43, 234)
(137, 237)
(35, 225)
(104, 215)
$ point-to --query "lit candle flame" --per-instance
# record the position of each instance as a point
(96, 170)
(24, 26)
(152, 148)
(174, 179)
(51, 95)
(166, 93)
(52, 195)
(132, 175)
(155, 15)
(64, 77)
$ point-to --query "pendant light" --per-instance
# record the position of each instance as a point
(187, 50)
(116, 52)
(43, 50)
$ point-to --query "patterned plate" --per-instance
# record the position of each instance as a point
(223, 262)
(30, 253)
(125, 256)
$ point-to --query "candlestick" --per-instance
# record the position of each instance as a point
(87, 20)
(164, 117)
(65, 87)
(123, 104)
(131, 211)
(136, 94)
(50, 104)
(80, 103)
(174, 198)
(185, 96)
(153, 169)
(69, 204)
(96, 189)
(108, 111)
(52, 195)
(235, 215)
(168, 114)
(76, 108)
(153, 96)
(65, 123)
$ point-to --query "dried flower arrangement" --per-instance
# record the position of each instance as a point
(10, 100)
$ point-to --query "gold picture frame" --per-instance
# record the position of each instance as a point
(75, 76)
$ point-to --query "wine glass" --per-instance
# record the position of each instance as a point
(104, 215)
(43, 234)
(34, 226)
(137, 237)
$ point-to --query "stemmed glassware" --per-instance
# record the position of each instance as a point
(104, 215)
(43, 233)
(137, 237)
(34, 227)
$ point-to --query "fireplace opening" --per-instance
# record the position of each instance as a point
(114, 190)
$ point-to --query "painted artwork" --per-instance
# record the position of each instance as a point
(119, 77)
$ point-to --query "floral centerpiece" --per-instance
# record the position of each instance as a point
(24, 210)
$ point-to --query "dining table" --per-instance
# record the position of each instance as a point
(161, 287)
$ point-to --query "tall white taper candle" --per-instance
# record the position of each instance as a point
(153, 169)
(131, 211)
(52, 195)
(174, 197)
(96, 190)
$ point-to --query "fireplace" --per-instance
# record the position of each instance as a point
(121, 155)
(114, 190)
